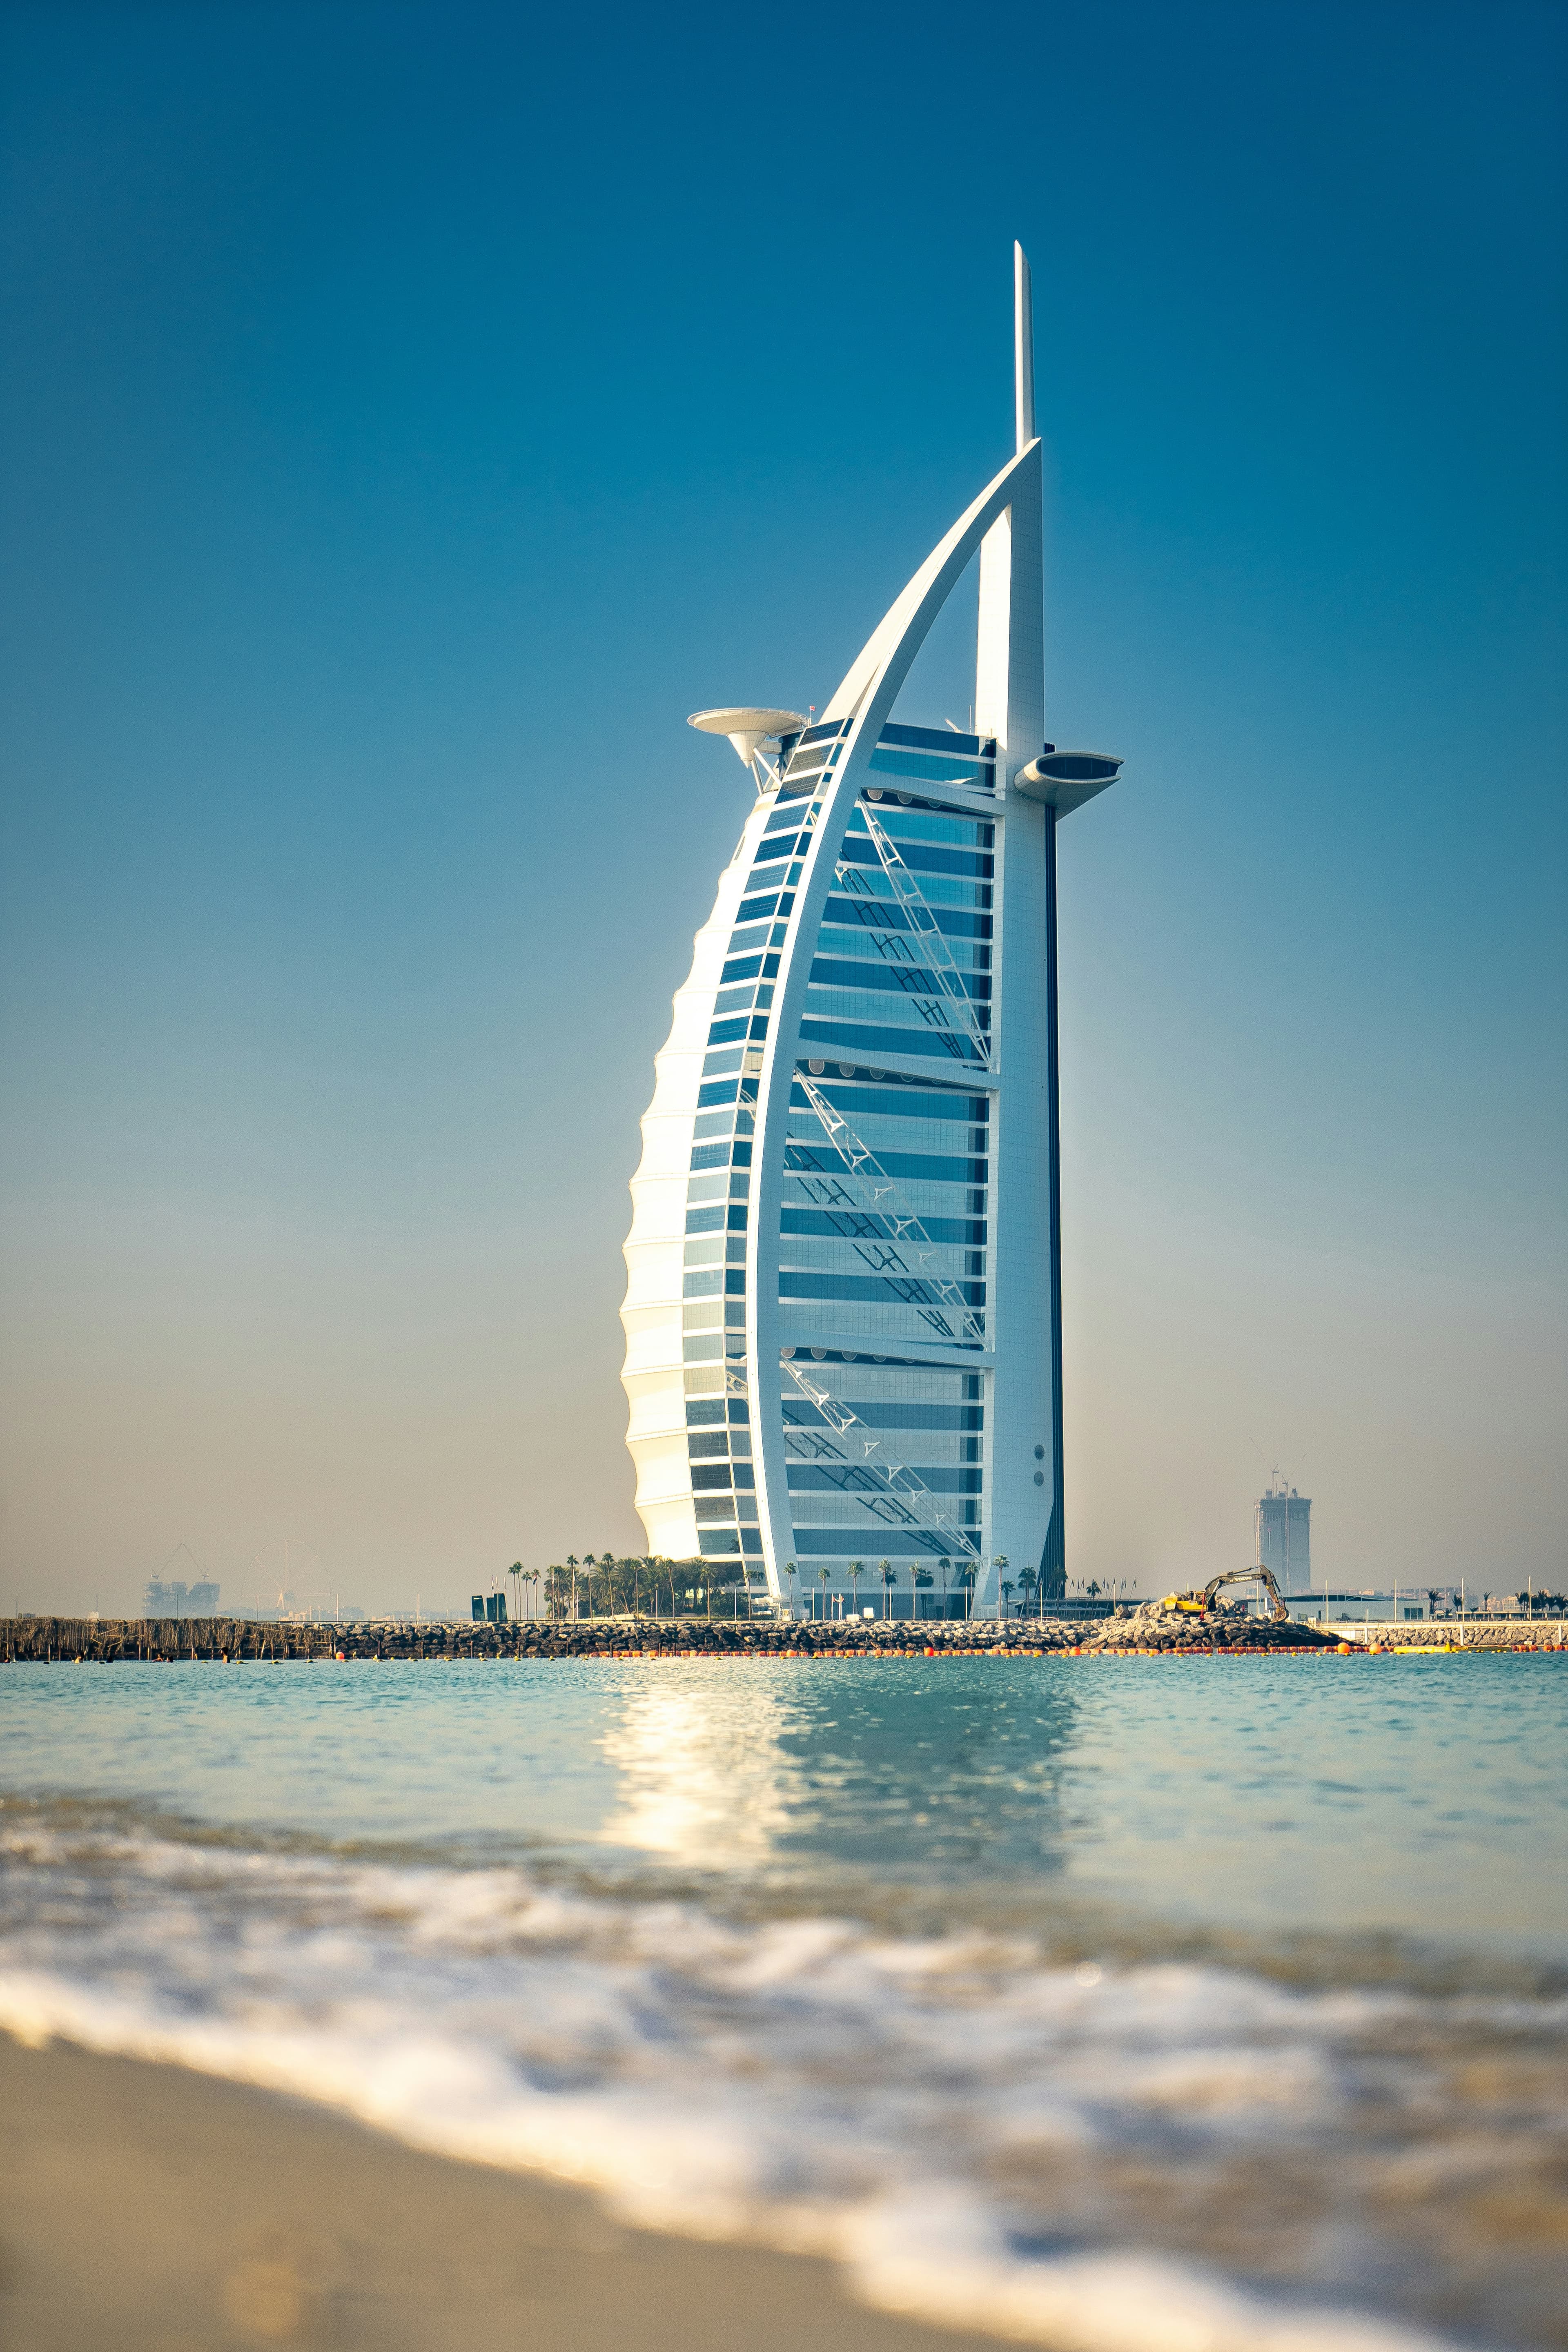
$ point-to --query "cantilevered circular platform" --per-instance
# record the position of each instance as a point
(1065, 779)
(746, 727)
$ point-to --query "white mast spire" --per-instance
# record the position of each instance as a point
(1023, 346)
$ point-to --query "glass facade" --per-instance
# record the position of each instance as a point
(880, 1240)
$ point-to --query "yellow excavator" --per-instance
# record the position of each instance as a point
(1198, 1604)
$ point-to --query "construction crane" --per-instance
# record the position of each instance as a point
(1198, 1604)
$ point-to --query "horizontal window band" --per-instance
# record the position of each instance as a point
(865, 1043)
(881, 914)
(714, 1507)
(932, 739)
(820, 1478)
(919, 856)
(894, 1288)
(709, 1476)
(807, 1159)
(899, 1100)
(879, 1413)
(706, 1284)
(703, 1350)
(900, 979)
(960, 1232)
(925, 1542)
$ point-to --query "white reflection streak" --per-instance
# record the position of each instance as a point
(704, 1776)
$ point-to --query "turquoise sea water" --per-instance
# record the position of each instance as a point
(1054, 1996)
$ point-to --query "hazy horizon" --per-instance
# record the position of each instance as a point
(409, 417)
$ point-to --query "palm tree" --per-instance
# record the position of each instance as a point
(515, 1573)
(857, 1571)
(1007, 1591)
(825, 1578)
(887, 1572)
(1000, 1565)
(790, 1572)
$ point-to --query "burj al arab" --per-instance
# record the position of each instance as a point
(843, 1308)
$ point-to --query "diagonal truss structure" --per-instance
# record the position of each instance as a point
(880, 1223)
(903, 1487)
(932, 955)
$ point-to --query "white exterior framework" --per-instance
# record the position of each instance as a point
(843, 1304)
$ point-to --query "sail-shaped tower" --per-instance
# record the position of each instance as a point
(843, 1310)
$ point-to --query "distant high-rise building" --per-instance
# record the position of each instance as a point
(1285, 1536)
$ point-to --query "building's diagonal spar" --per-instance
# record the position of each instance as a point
(930, 953)
(898, 1482)
(879, 1220)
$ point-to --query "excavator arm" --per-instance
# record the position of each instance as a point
(1198, 1604)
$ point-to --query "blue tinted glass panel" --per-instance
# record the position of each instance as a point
(874, 1045)
(904, 980)
(961, 1231)
(816, 1160)
(932, 770)
(953, 922)
(902, 1102)
(873, 1288)
(930, 739)
(903, 1415)
(942, 1478)
(922, 857)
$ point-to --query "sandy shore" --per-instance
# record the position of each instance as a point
(147, 2210)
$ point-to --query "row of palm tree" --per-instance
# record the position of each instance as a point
(605, 1586)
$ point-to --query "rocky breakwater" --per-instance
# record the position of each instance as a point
(232, 1639)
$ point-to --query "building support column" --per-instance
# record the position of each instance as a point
(1052, 1560)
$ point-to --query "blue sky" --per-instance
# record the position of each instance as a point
(408, 415)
